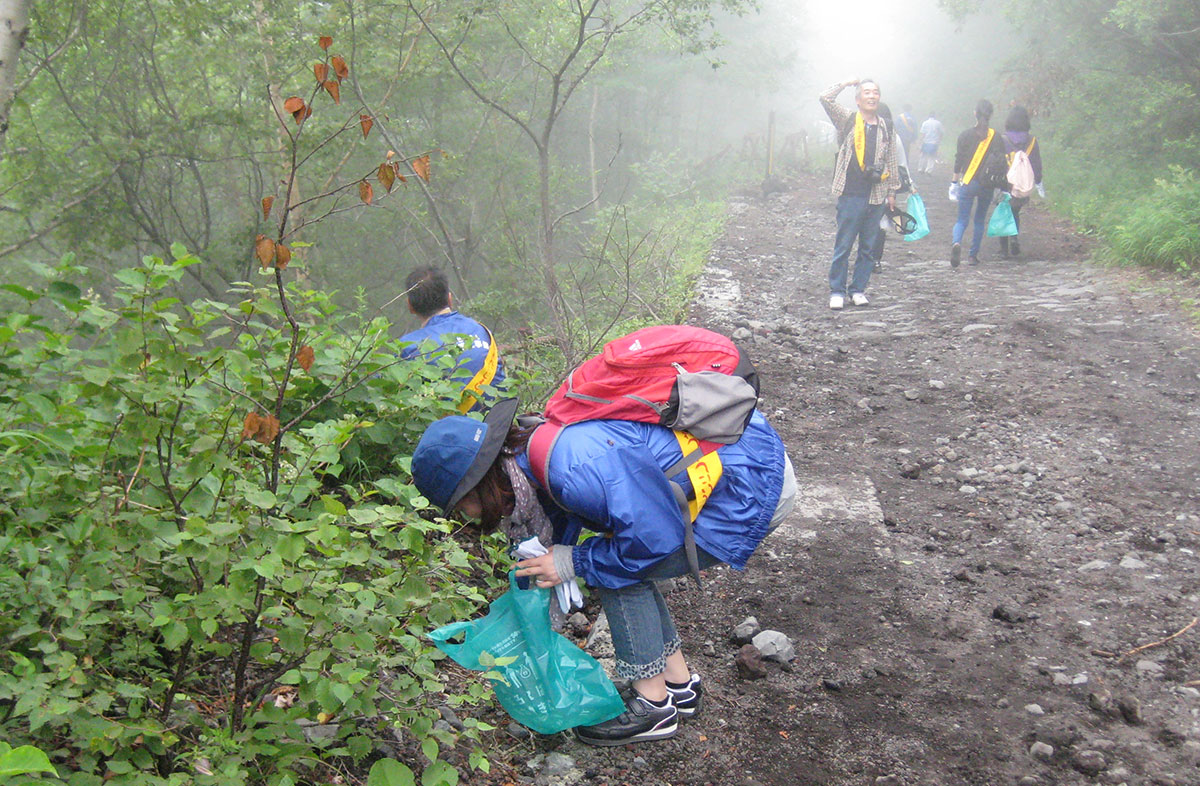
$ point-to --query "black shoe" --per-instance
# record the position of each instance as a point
(687, 697)
(973, 260)
(1014, 247)
(642, 721)
(955, 254)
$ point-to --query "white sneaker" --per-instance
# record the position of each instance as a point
(836, 302)
(859, 299)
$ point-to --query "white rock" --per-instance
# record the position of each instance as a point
(1096, 564)
(1034, 709)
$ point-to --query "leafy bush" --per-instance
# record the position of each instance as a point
(1161, 226)
(189, 589)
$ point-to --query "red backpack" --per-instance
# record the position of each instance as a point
(691, 380)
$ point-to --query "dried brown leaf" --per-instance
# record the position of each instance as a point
(264, 249)
(366, 122)
(321, 72)
(365, 192)
(334, 90)
(387, 175)
(421, 167)
(325, 42)
(340, 69)
(293, 104)
(305, 357)
(266, 206)
(283, 256)
(250, 425)
(268, 429)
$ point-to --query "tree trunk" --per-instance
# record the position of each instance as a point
(546, 251)
(14, 29)
(592, 143)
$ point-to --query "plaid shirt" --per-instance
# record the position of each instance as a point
(843, 120)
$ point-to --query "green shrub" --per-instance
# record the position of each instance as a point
(1159, 227)
(189, 585)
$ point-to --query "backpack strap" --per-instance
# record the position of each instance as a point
(704, 470)
(1029, 150)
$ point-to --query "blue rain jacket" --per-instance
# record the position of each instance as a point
(443, 326)
(608, 477)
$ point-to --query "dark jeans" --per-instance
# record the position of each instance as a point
(856, 220)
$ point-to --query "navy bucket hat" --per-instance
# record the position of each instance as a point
(455, 452)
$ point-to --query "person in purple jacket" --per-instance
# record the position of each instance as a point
(1017, 137)
(609, 477)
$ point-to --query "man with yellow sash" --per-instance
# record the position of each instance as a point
(865, 176)
(977, 173)
(478, 362)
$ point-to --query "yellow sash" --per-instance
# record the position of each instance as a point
(703, 474)
(977, 159)
(860, 140)
(474, 389)
(1028, 150)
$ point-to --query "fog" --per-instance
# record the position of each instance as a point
(781, 58)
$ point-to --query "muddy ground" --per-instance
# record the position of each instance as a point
(998, 470)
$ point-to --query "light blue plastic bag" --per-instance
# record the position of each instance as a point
(915, 207)
(1002, 223)
(552, 685)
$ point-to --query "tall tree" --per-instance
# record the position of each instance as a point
(14, 29)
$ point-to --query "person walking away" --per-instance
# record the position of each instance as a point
(1016, 137)
(971, 164)
(905, 186)
(906, 127)
(865, 176)
(608, 476)
(931, 133)
(478, 364)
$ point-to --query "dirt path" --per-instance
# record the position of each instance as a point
(998, 469)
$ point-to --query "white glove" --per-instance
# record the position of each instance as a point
(1041, 189)
(567, 592)
(953, 192)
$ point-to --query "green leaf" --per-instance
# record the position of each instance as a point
(62, 291)
(429, 746)
(28, 294)
(389, 772)
(439, 774)
(26, 759)
(261, 498)
(333, 505)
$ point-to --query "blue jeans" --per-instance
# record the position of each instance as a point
(643, 633)
(982, 199)
(856, 220)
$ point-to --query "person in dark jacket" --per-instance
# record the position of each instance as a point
(608, 476)
(478, 363)
(974, 147)
(1016, 137)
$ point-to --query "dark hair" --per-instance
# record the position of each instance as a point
(494, 489)
(1017, 120)
(428, 290)
(984, 109)
(884, 111)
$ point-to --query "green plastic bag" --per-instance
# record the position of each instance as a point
(915, 207)
(552, 685)
(1002, 224)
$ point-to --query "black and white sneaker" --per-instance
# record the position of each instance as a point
(642, 721)
(687, 697)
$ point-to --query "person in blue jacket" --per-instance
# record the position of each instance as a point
(478, 364)
(608, 476)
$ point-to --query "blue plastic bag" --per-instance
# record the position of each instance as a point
(915, 207)
(552, 685)
(1002, 223)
